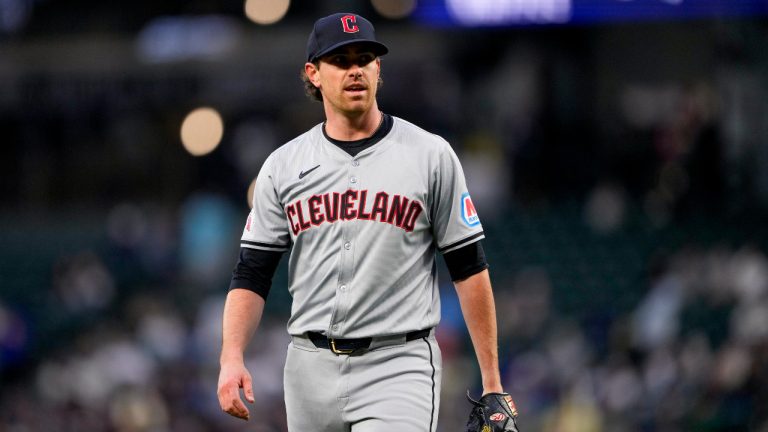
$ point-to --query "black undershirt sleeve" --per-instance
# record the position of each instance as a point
(465, 261)
(254, 270)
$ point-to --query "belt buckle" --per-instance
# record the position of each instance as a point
(339, 351)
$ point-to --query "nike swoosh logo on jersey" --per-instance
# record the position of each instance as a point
(304, 173)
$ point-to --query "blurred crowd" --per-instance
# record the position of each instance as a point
(691, 355)
(141, 355)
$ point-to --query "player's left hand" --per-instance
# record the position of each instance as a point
(494, 412)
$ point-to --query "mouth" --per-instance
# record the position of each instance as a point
(355, 88)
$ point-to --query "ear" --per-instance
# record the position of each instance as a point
(313, 73)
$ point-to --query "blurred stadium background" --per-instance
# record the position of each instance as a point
(616, 151)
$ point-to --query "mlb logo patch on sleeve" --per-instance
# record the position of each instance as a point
(468, 212)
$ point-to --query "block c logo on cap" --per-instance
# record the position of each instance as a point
(348, 22)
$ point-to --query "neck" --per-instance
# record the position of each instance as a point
(346, 127)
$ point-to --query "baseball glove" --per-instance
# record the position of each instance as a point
(494, 412)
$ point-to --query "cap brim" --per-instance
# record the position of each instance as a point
(378, 48)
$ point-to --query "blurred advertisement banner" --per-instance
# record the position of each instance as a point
(495, 13)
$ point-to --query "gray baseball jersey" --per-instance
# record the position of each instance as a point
(364, 229)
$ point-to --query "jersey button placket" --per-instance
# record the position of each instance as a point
(353, 179)
(340, 309)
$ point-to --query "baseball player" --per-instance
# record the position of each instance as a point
(363, 202)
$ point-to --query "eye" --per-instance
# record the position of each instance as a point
(339, 60)
(364, 59)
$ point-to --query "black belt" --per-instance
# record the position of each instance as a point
(349, 346)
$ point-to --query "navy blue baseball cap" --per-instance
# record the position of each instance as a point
(340, 29)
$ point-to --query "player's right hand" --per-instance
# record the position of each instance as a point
(232, 378)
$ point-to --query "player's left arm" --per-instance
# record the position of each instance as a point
(479, 310)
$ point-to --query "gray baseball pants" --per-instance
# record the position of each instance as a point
(393, 386)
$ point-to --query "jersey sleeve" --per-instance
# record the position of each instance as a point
(266, 227)
(455, 222)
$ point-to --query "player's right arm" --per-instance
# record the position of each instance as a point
(265, 238)
(242, 314)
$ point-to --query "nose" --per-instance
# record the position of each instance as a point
(355, 71)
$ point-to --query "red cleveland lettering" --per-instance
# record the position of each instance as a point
(361, 214)
(414, 210)
(347, 205)
(300, 213)
(290, 211)
(331, 207)
(380, 206)
(314, 210)
(397, 210)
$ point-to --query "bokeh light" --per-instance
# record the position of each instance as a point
(502, 12)
(394, 9)
(266, 12)
(201, 131)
